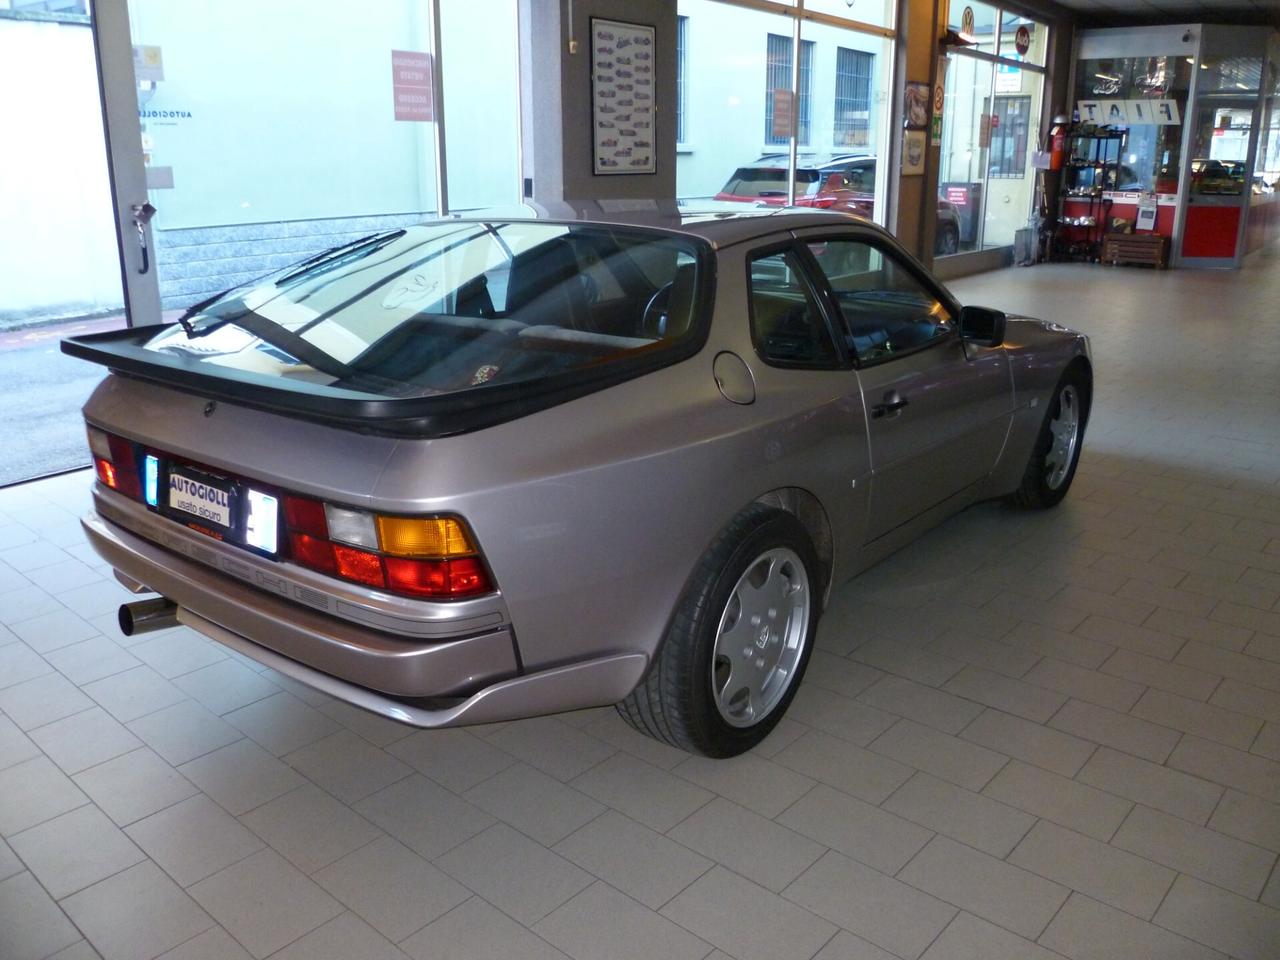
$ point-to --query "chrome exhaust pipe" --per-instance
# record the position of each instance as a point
(143, 616)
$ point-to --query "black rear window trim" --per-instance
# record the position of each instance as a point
(432, 417)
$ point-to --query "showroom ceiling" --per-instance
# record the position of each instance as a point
(1176, 11)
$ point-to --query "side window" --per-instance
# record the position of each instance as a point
(787, 325)
(886, 309)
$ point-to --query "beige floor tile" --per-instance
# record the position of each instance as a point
(134, 693)
(958, 761)
(33, 703)
(214, 944)
(1120, 731)
(520, 877)
(348, 766)
(282, 723)
(19, 663)
(1200, 630)
(53, 628)
(1248, 818)
(998, 655)
(643, 864)
(477, 931)
(1087, 930)
(1230, 664)
(174, 653)
(755, 847)
(15, 746)
(602, 924)
(745, 920)
(424, 816)
(225, 686)
(1025, 700)
(839, 716)
(309, 828)
(391, 887)
(134, 785)
(193, 839)
(139, 912)
(1073, 648)
(755, 782)
(75, 850)
(34, 928)
(91, 660)
(1001, 892)
(843, 946)
(1153, 672)
(1104, 872)
(1244, 771)
(536, 804)
(264, 902)
(342, 938)
(654, 797)
(971, 818)
(612, 729)
(840, 674)
(552, 746)
(1051, 749)
(1210, 915)
(241, 776)
(184, 731)
(1088, 686)
(970, 936)
(1071, 804)
(1187, 848)
(9, 862)
(1148, 639)
(32, 792)
(457, 759)
(1195, 717)
(923, 704)
(846, 766)
(905, 660)
(1172, 791)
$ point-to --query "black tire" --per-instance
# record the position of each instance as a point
(1041, 485)
(675, 703)
(948, 241)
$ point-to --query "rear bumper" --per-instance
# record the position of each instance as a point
(444, 681)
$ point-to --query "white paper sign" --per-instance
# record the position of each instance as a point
(1163, 113)
(1146, 215)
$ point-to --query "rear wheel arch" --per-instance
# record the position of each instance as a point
(808, 509)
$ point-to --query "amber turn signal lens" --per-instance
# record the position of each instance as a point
(430, 537)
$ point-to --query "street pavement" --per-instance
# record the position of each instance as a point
(41, 431)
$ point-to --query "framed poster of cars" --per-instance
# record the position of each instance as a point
(622, 92)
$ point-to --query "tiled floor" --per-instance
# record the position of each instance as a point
(1026, 736)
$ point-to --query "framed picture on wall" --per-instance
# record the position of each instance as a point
(623, 80)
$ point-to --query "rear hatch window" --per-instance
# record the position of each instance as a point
(454, 316)
(769, 182)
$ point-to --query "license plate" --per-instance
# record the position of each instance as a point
(201, 497)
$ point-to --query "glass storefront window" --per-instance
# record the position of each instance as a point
(966, 144)
(1150, 155)
(983, 28)
(877, 13)
(1266, 176)
(731, 150)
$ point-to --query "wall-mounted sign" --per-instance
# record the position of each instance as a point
(915, 107)
(913, 153)
(622, 90)
(966, 22)
(1146, 214)
(411, 85)
(1022, 40)
(1163, 113)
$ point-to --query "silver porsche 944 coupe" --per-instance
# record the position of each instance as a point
(476, 470)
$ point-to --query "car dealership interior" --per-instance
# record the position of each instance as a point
(610, 479)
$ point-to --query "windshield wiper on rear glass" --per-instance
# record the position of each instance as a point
(338, 256)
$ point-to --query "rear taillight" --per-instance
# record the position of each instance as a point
(115, 460)
(429, 557)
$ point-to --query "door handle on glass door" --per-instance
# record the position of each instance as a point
(142, 214)
(893, 402)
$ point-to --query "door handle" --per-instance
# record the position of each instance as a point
(142, 214)
(893, 402)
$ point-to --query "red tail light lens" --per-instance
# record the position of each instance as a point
(360, 566)
(313, 552)
(306, 516)
(117, 464)
(464, 577)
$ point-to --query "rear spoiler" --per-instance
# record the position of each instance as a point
(443, 415)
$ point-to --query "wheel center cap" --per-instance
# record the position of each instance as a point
(762, 640)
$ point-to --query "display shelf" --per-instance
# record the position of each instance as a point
(1083, 209)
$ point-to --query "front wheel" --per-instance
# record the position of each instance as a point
(738, 643)
(1056, 453)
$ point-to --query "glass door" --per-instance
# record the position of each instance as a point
(1222, 141)
(238, 150)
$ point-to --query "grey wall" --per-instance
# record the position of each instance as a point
(556, 100)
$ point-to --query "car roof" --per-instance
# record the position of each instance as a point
(720, 223)
(772, 160)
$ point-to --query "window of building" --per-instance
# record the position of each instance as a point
(682, 79)
(778, 77)
(853, 97)
(1009, 121)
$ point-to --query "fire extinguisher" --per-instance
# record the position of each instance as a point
(1058, 142)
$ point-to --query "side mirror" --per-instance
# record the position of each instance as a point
(982, 325)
